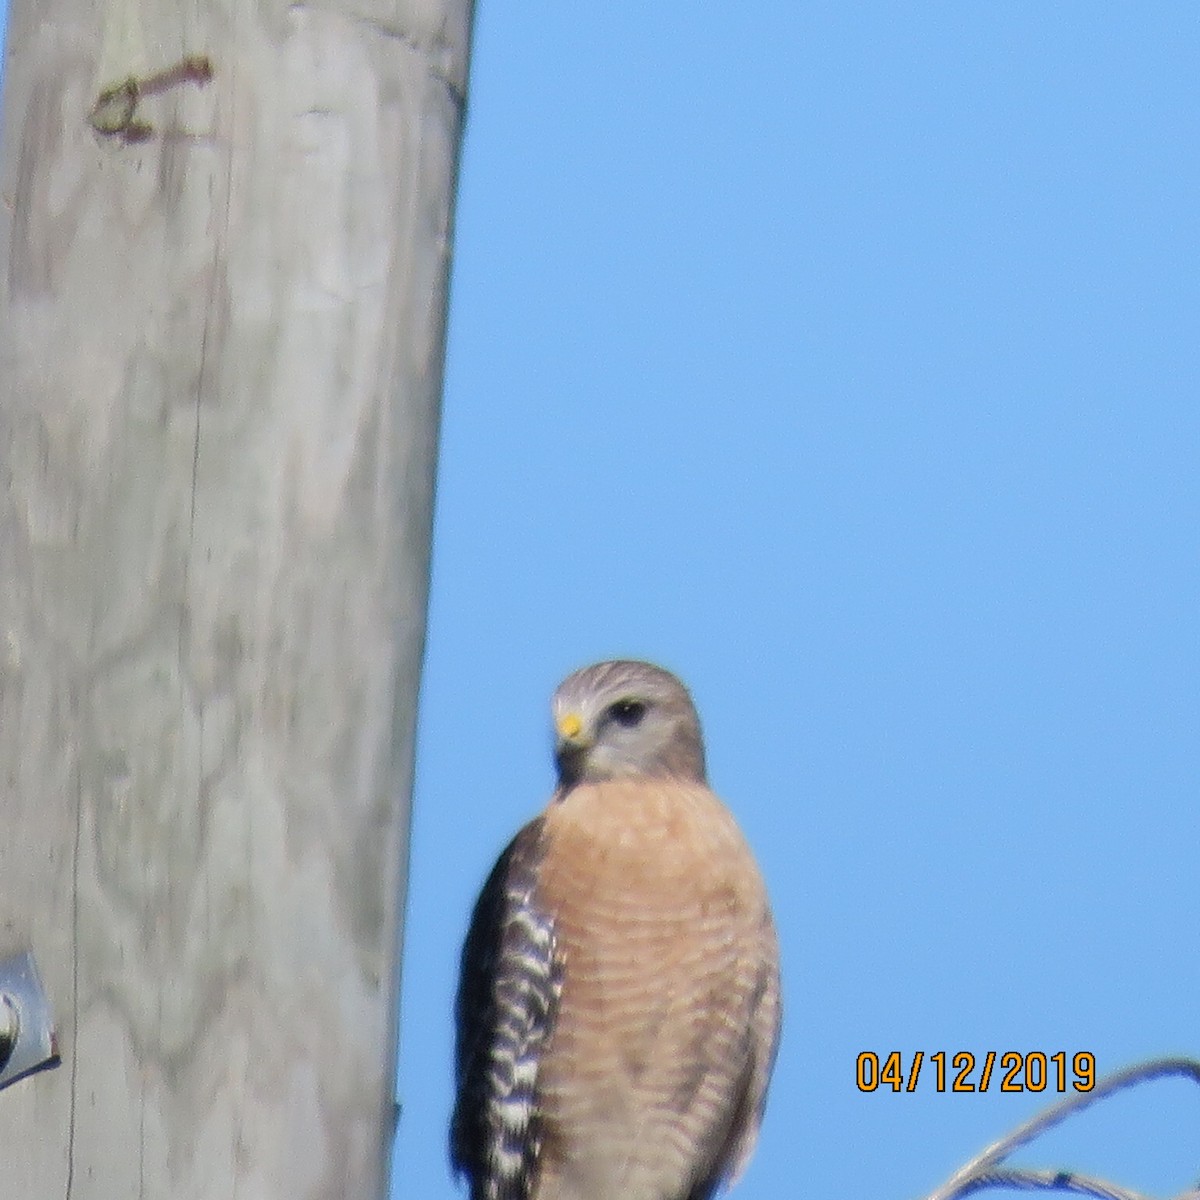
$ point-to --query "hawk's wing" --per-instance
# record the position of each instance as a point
(508, 995)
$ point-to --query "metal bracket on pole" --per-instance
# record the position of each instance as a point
(27, 1038)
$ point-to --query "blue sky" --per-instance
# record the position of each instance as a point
(843, 358)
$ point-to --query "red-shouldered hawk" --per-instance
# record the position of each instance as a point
(618, 1010)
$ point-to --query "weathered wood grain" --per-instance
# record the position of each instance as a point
(220, 366)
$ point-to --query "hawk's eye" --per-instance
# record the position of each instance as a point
(628, 712)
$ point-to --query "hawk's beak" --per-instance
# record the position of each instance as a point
(570, 732)
(572, 746)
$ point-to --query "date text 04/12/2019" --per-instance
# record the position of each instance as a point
(1011, 1071)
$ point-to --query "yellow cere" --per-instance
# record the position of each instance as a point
(569, 725)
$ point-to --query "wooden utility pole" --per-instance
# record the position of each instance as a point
(224, 241)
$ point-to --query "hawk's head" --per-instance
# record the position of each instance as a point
(624, 718)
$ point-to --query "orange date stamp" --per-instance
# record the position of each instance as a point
(1009, 1071)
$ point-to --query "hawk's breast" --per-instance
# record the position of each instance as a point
(663, 930)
